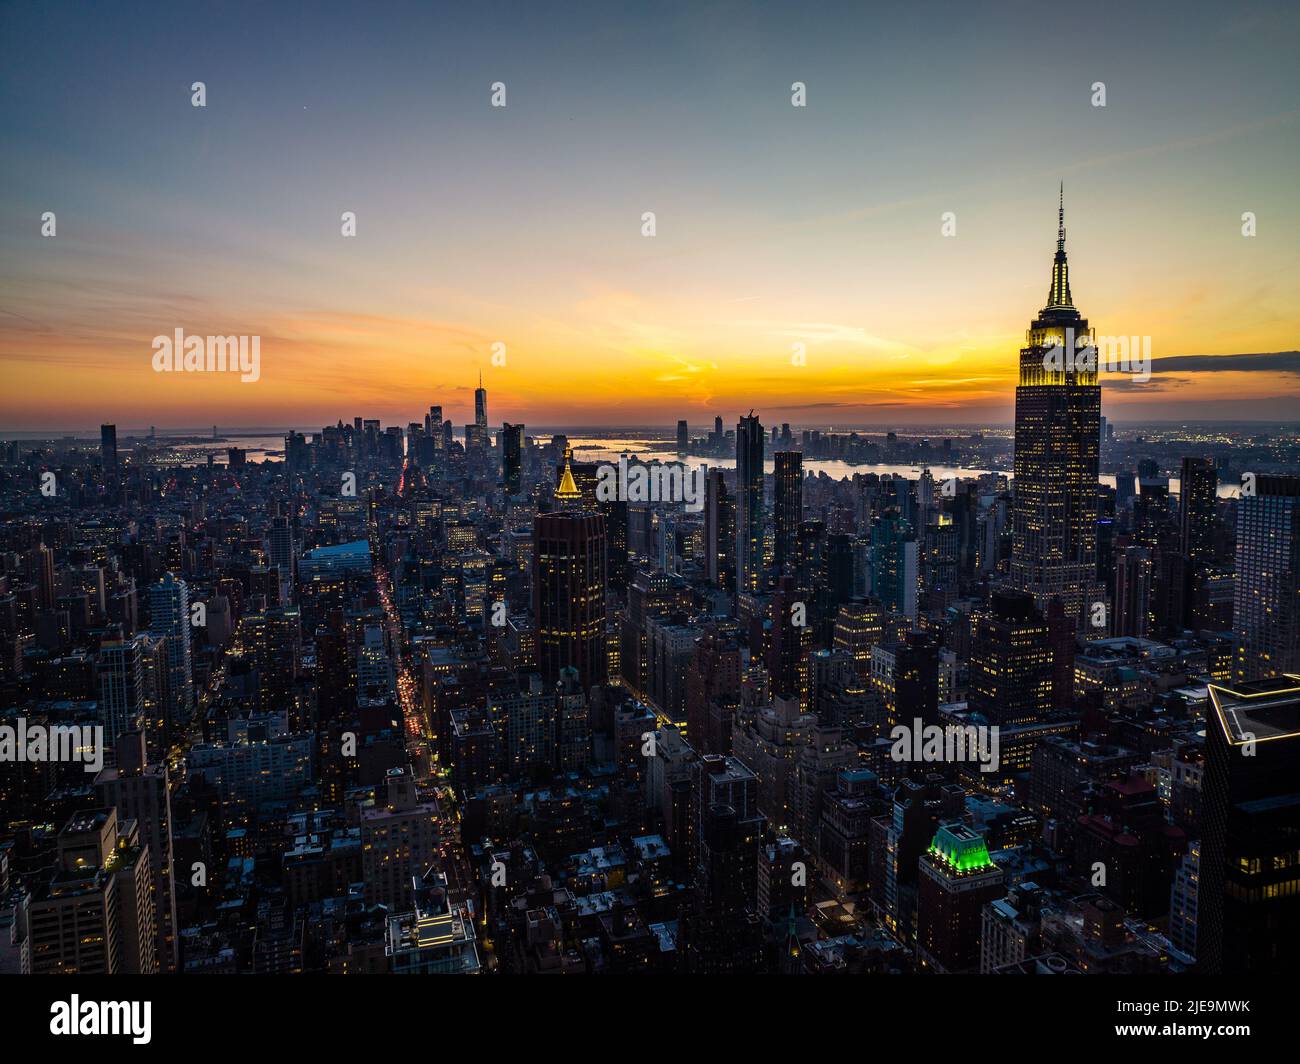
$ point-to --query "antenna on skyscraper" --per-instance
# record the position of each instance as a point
(1060, 220)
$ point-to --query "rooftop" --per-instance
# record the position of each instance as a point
(1260, 710)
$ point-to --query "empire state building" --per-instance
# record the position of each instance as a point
(1058, 436)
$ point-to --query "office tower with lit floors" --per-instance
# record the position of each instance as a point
(281, 554)
(1266, 610)
(94, 915)
(749, 505)
(169, 615)
(1011, 661)
(512, 448)
(1197, 497)
(787, 514)
(569, 584)
(719, 532)
(1057, 440)
(122, 685)
(140, 790)
(1249, 895)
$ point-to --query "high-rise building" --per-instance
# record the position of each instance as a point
(1197, 496)
(399, 842)
(749, 505)
(140, 790)
(721, 931)
(1011, 674)
(787, 513)
(569, 583)
(436, 937)
(957, 879)
(122, 686)
(713, 691)
(790, 643)
(281, 552)
(719, 532)
(480, 406)
(512, 449)
(1134, 578)
(95, 916)
(859, 626)
(683, 437)
(1058, 435)
(1266, 608)
(435, 429)
(895, 565)
(108, 449)
(1249, 891)
(169, 612)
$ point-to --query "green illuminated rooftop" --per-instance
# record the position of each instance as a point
(961, 849)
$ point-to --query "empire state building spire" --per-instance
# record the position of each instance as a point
(1058, 436)
(1059, 296)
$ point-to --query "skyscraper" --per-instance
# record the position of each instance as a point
(437, 433)
(1058, 434)
(895, 564)
(1134, 576)
(480, 406)
(787, 511)
(1248, 896)
(1197, 488)
(569, 581)
(1010, 661)
(512, 447)
(683, 437)
(95, 915)
(121, 685)
(141, 791)
(281, 553)
(169, 611)
(749, 504)
(108, 449)
(719, 532)
(957, 878)
(790, 643)
(1266, 608)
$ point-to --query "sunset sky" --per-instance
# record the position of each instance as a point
(776, 225)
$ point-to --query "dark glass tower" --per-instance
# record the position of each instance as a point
(1197, 488)
(1249, 903)
(788, 508)
(1058, 436)
(719, 533)
(108, 449)
(749, 504)
(512, 448)
(480, 405)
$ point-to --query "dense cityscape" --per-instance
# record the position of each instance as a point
(427, 699)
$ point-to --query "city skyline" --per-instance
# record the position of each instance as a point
(714, 490)
(521, 225)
